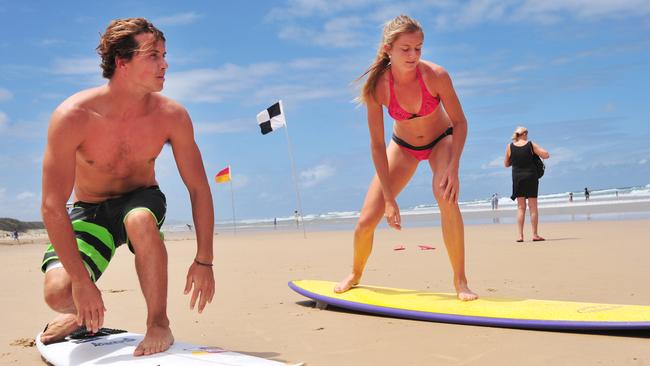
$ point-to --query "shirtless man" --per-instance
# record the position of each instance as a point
(103, 143)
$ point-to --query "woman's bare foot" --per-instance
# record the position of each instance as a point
(349, 282)
(59, 328)
(464, 293)
(158, 339)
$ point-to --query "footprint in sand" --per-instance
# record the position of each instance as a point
(25, 342)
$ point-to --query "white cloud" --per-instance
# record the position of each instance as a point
(237, 125)
(315, 175)
(214, 85)
(76, 66)
(643, 161)
(4, 120)
(389, 11)
(165, 163)
(471, 82)
(550, 11)
(25, 195)
(609, 107)
(47, 42)
(177, 19)
(479, 11)
(342, 32)
(297, 92)
(239, 181)
(524, 67)
(494, 163)
(32, 130)
(308, 8)
(299, 79)
(5, 94)
(560, 155)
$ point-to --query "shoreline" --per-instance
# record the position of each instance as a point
(622, 210)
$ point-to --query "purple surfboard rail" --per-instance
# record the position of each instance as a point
(470, 320)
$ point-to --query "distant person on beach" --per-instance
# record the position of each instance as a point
(420, 97)
(587, 194)
(297, 217)
(16, 236)
(570, 196)
(495, 201)
(103, 143)
(275, 222)
(525, 183)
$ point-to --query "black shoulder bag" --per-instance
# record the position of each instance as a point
(539, 164)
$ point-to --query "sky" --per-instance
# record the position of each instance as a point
(574, 72)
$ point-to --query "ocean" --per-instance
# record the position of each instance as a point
(604, 204)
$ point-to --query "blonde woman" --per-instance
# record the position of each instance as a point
(420, 97)
(519, 155)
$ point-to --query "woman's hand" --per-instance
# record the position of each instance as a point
(393, 217)
(450, 184)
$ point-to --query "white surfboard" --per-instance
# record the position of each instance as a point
(110, 347)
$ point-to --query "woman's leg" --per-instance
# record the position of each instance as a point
(534, 217)
(401, 167)
(521, 215)
(453, 229)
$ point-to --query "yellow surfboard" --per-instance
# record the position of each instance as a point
(489, 311)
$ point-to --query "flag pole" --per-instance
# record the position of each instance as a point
(232, 199)
(293, 171)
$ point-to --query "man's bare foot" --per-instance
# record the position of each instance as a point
(158, 339)
(464, 293)
(59, 328)
(349, 282)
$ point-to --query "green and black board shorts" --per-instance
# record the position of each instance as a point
(99, 227)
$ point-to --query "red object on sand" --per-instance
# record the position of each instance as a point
(399, 247)
(426, 247)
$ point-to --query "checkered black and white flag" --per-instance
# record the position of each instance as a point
(271, 118)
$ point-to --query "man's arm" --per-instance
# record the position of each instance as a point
(59, 159)
(190, 166)
(58, 181)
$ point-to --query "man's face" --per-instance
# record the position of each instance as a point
(148, 66)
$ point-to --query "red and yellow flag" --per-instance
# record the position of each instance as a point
(223, 176)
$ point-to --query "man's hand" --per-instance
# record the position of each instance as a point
(90, 306)
(202, 277)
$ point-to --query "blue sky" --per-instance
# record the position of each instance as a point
(574, 72)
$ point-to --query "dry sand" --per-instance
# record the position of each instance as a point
(254, 311)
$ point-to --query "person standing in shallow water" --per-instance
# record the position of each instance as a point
(525, 183)
(420, 97)
(101, 147)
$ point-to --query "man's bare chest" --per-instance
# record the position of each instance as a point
(121, 147)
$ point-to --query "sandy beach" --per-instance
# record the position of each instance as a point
(254, 311)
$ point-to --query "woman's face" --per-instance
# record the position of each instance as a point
(405, 51)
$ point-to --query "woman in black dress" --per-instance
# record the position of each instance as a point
(519, 155)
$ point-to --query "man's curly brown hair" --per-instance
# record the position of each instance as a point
(119, 41)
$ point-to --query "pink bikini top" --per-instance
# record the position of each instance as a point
(428, 105)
